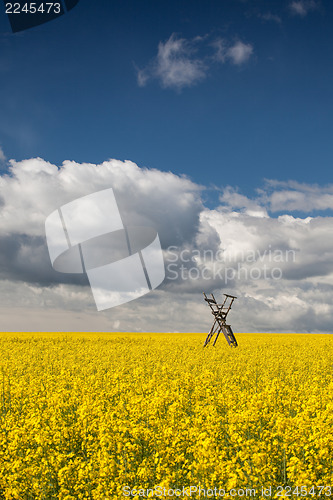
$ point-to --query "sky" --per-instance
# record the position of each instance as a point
(211, 121)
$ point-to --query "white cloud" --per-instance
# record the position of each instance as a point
(240, 52)
(294, 196)
(143, 77)
(233, 248)
(302, 201)
(220, 46)
(279, 196)
(35, 188)
(233, 199)
(308, 241)
(175, 66)
(281, 268)
(303, 7)
(2, 156)
(182, 63)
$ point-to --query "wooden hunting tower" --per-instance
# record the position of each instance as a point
(220, 312)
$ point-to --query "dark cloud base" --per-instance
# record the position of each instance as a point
(26, 258)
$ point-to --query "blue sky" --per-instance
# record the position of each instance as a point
(70, 90)
(211, 120)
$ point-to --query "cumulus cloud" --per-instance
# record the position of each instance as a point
(35, 188)
(301, 247)
(280, 267)
(295, 196)
(303, 7)
(277, 196)
(233, 199)
(182, 63)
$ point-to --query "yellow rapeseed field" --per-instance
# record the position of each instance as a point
(95, 416)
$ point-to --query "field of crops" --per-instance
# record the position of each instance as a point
(85, 415)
